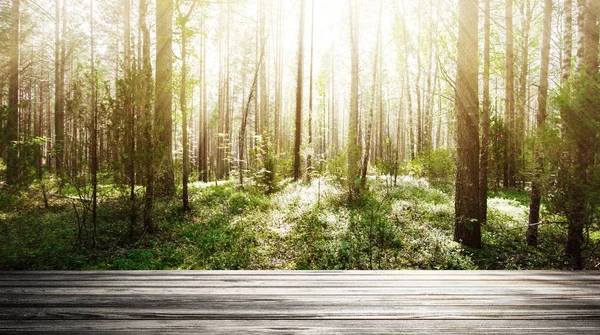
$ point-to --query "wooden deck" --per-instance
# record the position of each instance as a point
(354, 302)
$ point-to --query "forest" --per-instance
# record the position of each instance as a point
(299, 134)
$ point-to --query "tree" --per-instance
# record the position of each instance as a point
(182, 21)
(310, 95)
(354, 149)
(94, 130)
(278, 77)
(534, 204)
(520, 115)
(299, 92)
(12, 162)
(334, 117)
(245, 113)
(59, 122)
(580, 127)
(567, 40)
(203, 122)
(163, 123)
(264, 93)
(485, 117)
(467, 213)
(509, 154)
(365, 162)
(130, 116)
(146, 105)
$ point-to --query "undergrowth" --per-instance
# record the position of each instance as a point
(301, 226)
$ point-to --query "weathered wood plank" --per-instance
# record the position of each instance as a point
(406, 275)
(457, 327)
(353, 302)
(292, 312)
(305, 290)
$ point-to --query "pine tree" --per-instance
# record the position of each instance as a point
(299, 92)
(12, 166)
(163, 122)
(467, 226)
(534, 205)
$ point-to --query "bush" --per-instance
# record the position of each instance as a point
(438, 165)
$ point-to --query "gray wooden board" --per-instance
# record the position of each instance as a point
(306, 302)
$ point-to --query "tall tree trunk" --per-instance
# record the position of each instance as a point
(146, 104)
(419, 132)
(334, 120)
(245, 113)
(62, 73)
(38, 127)
(411, 119)
(184, 118)
(400, 131)
(163, 122)
(567, 40)
(534, 204)
(509, 158)
(310, 95)
(264, 94)
(519, 133)
(354, 149)
(183, 104)
(584, 134)
(581, 9)
(299, 92)
(12, 162)
(205, 130)
(485, 117)
(130, 117)
(202, 145)
(365, 162)
(94, 135)
(59, 122)
(467, 226)
(278, 77)
(227, 102)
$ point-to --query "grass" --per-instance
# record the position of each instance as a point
(302, 226)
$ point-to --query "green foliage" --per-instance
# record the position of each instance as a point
(496, 149)
(580, 131)
(337, 166)
(302, 226)
(438, 165)
(266, 176)
(378, 232)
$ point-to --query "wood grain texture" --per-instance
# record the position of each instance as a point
(306, 302)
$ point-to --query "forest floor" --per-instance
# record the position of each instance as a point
(307, 225)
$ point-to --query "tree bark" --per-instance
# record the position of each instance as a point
(183, 19)
(309, 167)
(202, 126)
(534, 204)
(365, 162)
(567, 40)
(149, 156)
(485, 117)
(94, 135)
(509, 160)
(12, 162)
(584, 135)
(519, 128)
(59, 128)
(467, 226)
(245, 113)
(130, 117)
(354, 149)
(299, 92)
(163, 123)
